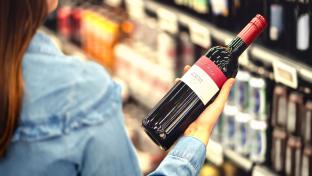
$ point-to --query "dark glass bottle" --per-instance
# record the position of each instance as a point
(277, 26)
(198, 87)
(303, 31)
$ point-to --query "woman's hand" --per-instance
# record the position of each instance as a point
(202, 127)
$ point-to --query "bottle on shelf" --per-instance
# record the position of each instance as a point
(186, 52)
(258, 141)
(229, 126)
(242, 97)
(277, 26)
(290, 25)
(293, 156)
(258, 102)
(278, 150)
(294, 113)
(241, 133)
(198, 87)
(303, 31)
(306, 166)
(307, 122)
(279, 113)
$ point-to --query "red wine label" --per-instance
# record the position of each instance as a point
(204, 78)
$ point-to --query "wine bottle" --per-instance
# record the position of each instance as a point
(198, 87)
(303, 42)
(277, 23)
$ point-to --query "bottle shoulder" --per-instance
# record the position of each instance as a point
(222, 57)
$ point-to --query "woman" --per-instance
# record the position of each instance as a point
(62, 116)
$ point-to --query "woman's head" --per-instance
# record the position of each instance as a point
(19, 21)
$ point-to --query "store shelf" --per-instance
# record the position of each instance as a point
(262, 171)
(259, 52)
(215, 153)
(238, 159)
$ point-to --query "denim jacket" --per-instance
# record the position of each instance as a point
(72, 123)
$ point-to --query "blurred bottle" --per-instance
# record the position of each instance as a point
(258, 102)
(186, 52)
(167, 51)
(258, 141)
(294, 113)
(242, 139)
(277, 26)
(279, 112)
(242, 91)
(306, 166)
(278, 150)
(228, 135)
(307, 122)
(63, 21)
(293, 156)
(303, 36)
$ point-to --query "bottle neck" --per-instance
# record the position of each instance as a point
(237, 47)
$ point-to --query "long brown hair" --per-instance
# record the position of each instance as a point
(19, 20)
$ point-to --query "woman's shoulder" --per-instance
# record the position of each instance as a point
(62, 93)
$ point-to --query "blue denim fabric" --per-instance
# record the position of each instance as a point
(72, 123)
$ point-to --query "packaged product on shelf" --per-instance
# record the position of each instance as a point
(242, 139)
(306, 163)
(293, 156)
(242, 91)
(279, 112)
(278, 150)
(228, 133)
(307, 122)
(294, 113)
(258, 141)
(258, 102)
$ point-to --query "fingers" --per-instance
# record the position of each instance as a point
(225, 91)
(176, 80)
(213, 111)
(186, 68)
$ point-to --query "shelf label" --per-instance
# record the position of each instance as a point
(168, 21)
(214, 153)
(200, 34)
(135, 8)
(285, 74)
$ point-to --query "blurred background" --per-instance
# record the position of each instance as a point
(265, 128)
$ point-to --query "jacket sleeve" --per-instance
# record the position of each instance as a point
(185, 159)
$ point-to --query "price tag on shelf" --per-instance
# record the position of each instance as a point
(243, 58)
(168, 21)
(214, 153)
(200, 34)
(135, 8)
(285, 74)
